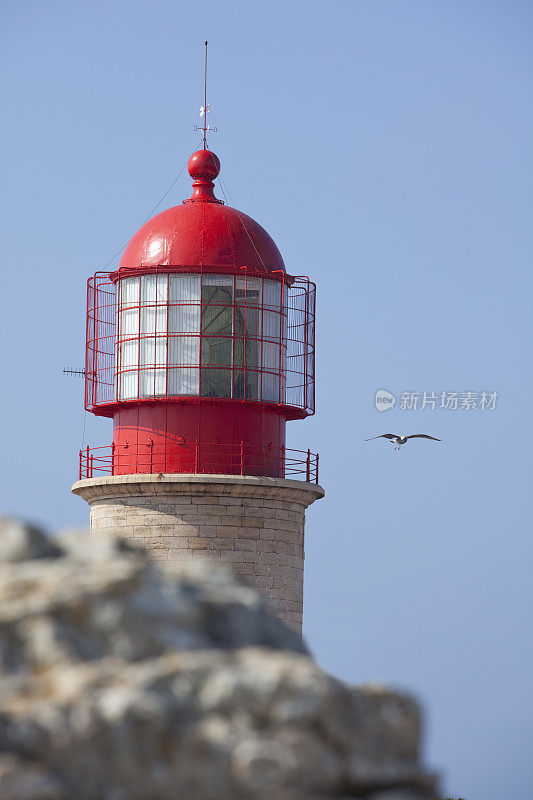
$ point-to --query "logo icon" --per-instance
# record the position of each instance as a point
(384, 400)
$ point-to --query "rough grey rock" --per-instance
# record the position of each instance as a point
(22, 542)
(23, 780)
(127, 680)
(101, 597)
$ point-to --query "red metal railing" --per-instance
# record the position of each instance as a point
(238, 459)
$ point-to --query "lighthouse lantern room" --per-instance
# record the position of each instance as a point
(200, 346)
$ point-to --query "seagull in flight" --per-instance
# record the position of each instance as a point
(399, 440)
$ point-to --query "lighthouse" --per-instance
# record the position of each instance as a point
(200, 348)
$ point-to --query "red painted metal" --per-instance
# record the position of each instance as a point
(244, 460)
(204, 167)
(207, 421)
(200, 343)
(203, 231)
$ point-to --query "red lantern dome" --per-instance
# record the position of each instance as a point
(203, 231)
(200, 346)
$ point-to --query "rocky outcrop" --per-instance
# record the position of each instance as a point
(123, 679)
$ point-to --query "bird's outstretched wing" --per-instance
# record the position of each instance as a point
(422, 436)
(383, 436)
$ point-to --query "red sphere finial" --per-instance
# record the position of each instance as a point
(204, 167)
(204, 164)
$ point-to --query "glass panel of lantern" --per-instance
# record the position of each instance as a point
(184, 304)
(270, 387)
(217, 330)
(128, 375)
(129, 308)
(271, 295)
(129, 292)
(128, 341)
(247, 345)
(272, 342)
(152, 378)
(294, 371)
(154, 303)
(153, 348)
(184, 335)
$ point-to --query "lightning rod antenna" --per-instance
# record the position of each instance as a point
(205, 98)
(204, 110)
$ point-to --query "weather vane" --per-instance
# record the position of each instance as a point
(205, 110)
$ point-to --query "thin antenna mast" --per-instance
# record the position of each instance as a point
(205, 98)
(204, 110)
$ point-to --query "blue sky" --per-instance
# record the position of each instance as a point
(386, 147)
